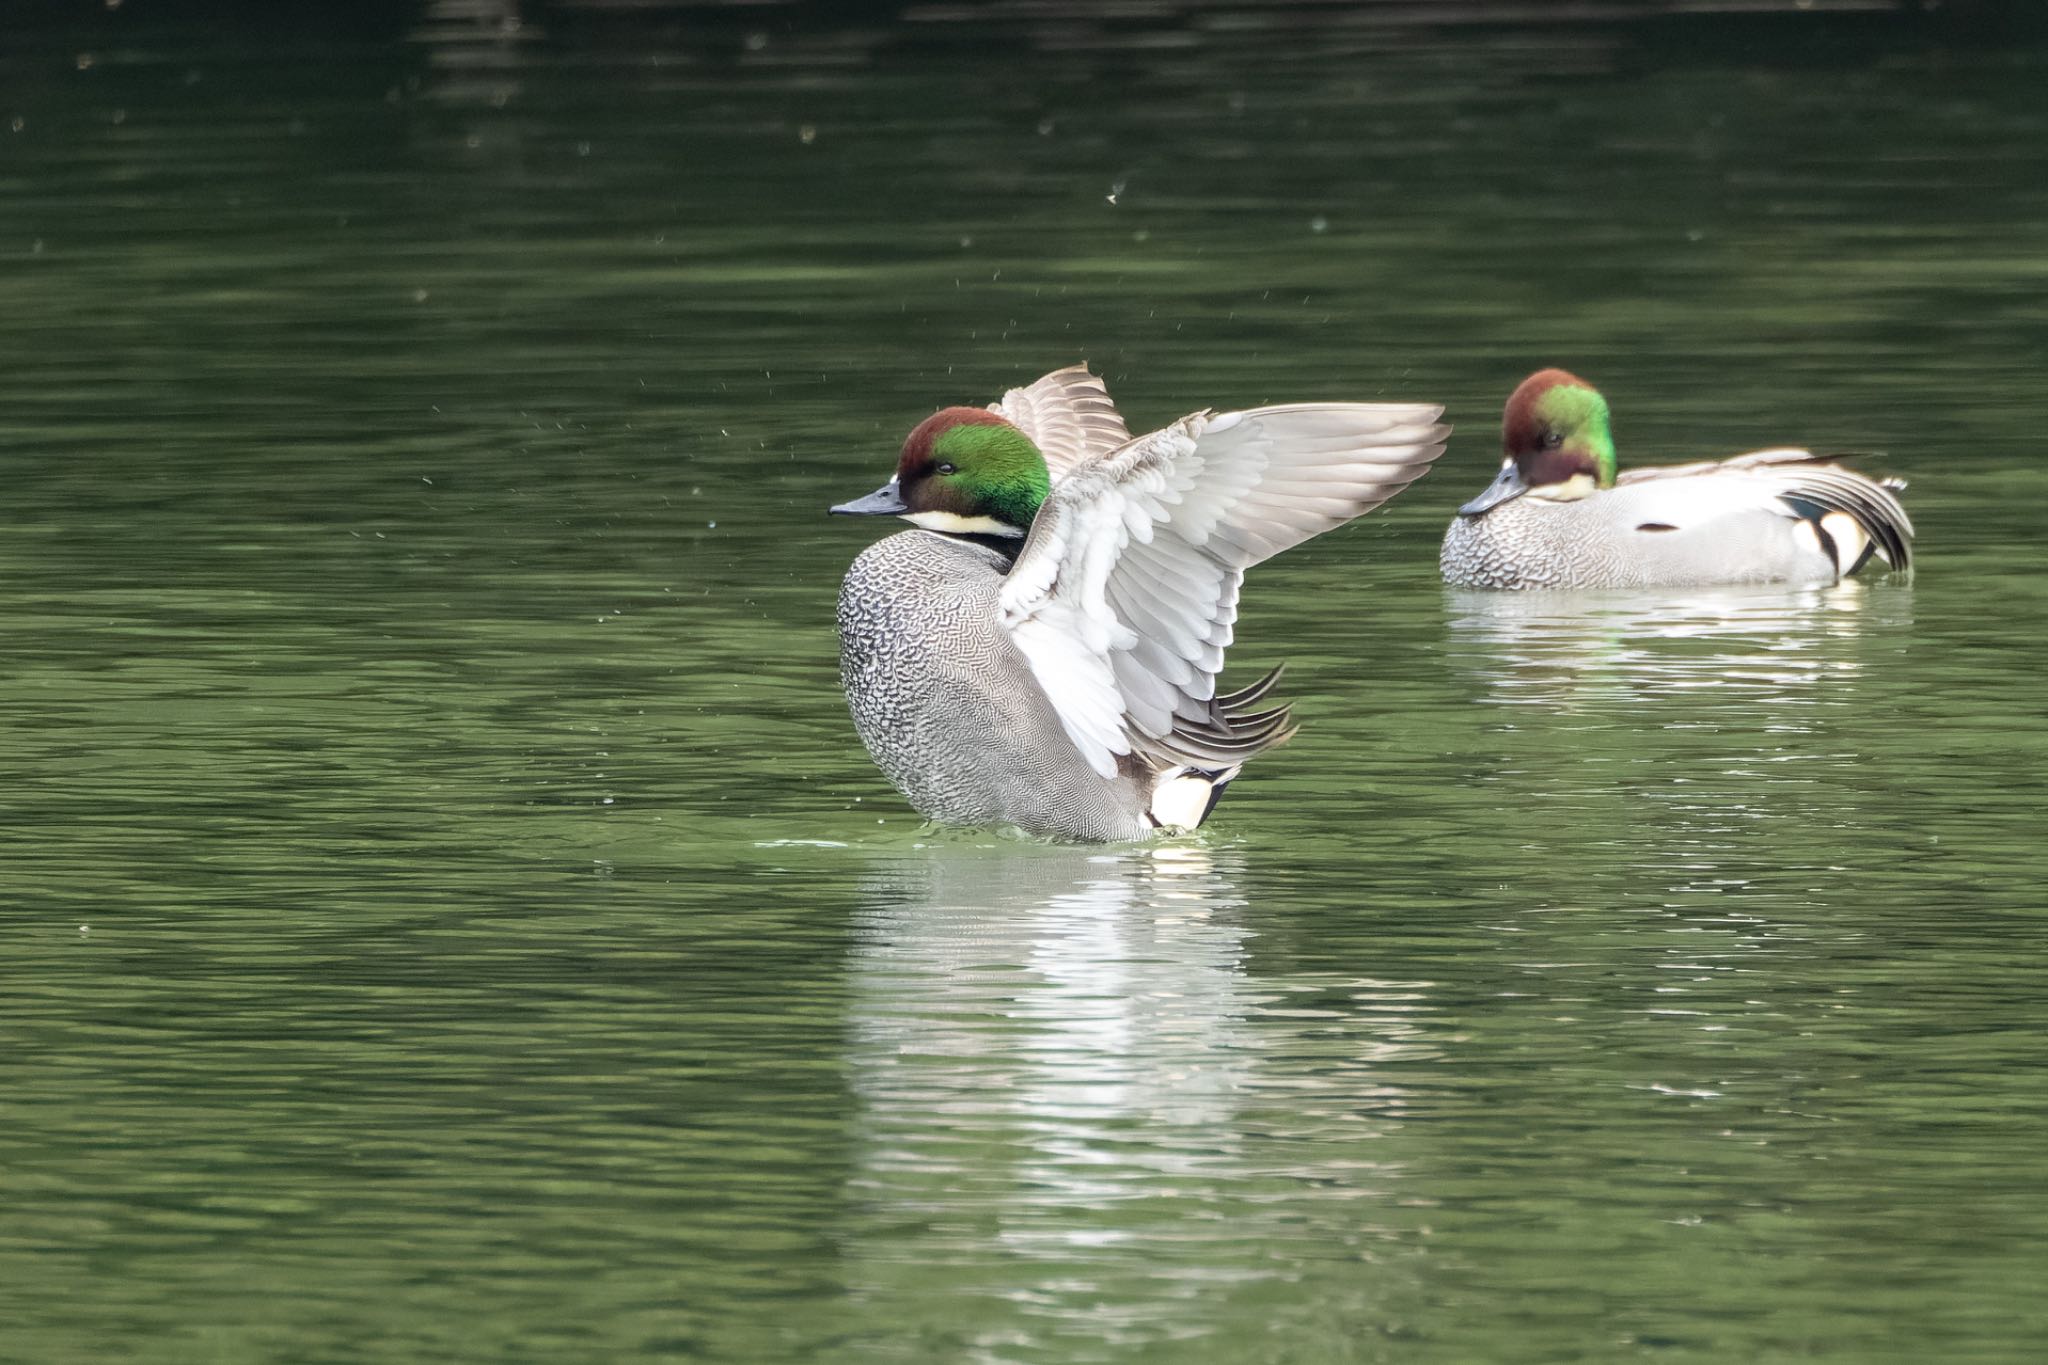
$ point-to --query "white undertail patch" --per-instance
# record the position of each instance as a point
(1182, 800)
(1849, 537)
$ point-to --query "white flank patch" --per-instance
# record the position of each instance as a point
(952, 523)
(1809, 539)
(1180, 802)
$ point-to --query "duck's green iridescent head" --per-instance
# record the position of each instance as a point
(1555, 429)
(1555, 442)
(964, 471)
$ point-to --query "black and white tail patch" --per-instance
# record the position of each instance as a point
(1183, 799)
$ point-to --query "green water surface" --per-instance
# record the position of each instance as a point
(448, 916)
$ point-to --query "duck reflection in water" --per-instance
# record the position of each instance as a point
(1715, 740)
(1079, 1109)
(1057, 989)
(1585, 650)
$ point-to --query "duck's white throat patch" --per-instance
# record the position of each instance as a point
(1571, 490)
(952, 523)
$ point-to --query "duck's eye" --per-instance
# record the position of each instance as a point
(944, 469)
(1553, 440)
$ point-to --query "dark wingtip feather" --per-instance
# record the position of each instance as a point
(1251, 694)
(1231, 732)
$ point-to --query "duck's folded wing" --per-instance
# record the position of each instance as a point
(1068, 415)
(1777, 455)
(1859, 514)
(1124, 596)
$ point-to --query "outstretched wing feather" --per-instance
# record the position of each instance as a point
(1068, 415)
(1124, 596)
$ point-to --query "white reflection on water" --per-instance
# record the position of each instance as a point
(1716, 746)
(1076, 1106)
(1570, 650)
(1054, 995)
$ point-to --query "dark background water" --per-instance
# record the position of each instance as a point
(449, 916)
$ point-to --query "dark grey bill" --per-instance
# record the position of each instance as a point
(883, 502)
(1507, 484)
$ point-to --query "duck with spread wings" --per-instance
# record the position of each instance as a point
(1043, 650)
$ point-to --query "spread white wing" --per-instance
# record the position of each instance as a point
(1067, 415)
(1124, 596)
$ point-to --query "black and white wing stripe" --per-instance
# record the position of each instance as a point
(1124, 597)
(1068, 416)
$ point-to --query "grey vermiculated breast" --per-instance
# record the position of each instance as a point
(1526, 544)
(946, 703)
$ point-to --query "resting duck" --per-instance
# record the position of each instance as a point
(1042, 651)
(1558, 516)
